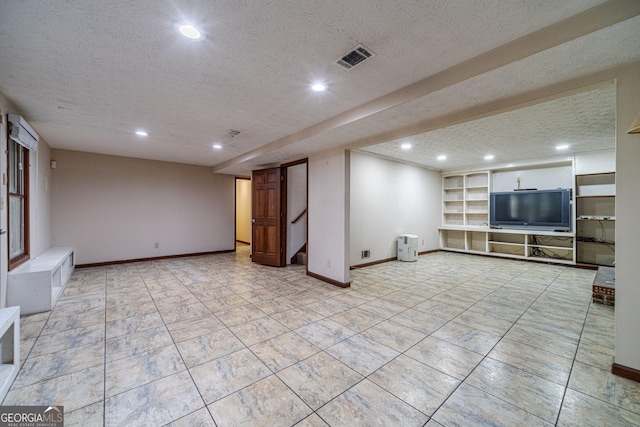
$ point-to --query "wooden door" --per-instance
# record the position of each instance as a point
(267, 207)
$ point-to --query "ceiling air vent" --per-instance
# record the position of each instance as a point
(232, 133)
(355, 56)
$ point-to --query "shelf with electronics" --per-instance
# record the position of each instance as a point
(466, 214)
(596, 218)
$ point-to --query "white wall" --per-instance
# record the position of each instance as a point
(390, 198)
(296, 203)
(115, 208)
(604, 161)
(540, 178)
(243, 210)
(627, 336)
(328, 213)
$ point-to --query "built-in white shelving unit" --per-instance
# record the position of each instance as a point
(555, 246)
(37, 284)
(466, 199)
(596, 218)
(465, 218)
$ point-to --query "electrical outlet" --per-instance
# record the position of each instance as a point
(366, 253)
(156, 245)
(328, 262)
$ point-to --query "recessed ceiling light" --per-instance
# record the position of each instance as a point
(217, 147)
(190, 31)
(318, 87)
(562, 146)
(142, 133)
(442, 157)
(406, 146)
(489, 157)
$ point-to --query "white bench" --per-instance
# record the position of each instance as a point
(10, 348)
(37, 284)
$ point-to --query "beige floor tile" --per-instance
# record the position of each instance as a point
(595, 355)
(529, 392)
(580, 410)
(191, 328)
(543, 339)
(120, 311)
(131, 325)
(445, 357)
(185, 312)
(312, 420)
(297, 317)
(91, 415)
(325, 333)
(276, 305)
(440, 309)
(238, 315)
(73, 391)
(63, 323)
(493, 325)
(358, 318)
(41, 368)
(418, 320)
(473, 407)
(204, 348)
(328, 307)
(419, 385)
(266, 403)
(533, 360)
(258, 330)
(199, 418)
(603, 385)
(130, 372)
(319, 378)
(362, 354)
(467, 337)
(517, 384)
(139, 342)
(394, 335)
(156, 403)
(284, 350)
(228, 374)
(47, 344)
(367, 404)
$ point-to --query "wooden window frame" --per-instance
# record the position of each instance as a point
(24, 256)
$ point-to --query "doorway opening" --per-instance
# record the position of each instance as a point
(243, 213)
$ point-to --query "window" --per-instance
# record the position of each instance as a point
(18, 168)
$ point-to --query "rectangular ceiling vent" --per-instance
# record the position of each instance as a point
(355, 56)
(232, 133)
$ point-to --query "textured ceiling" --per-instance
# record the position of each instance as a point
(585, 121)
(87, 74)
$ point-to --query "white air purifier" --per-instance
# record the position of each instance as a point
(407, 247)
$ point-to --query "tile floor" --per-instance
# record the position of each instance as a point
(451, 340)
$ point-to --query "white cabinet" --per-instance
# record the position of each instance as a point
(37, 284)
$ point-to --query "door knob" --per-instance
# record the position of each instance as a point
(253, 221)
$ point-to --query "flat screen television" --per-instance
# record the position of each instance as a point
(539, 209)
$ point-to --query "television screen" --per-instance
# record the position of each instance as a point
(540, 209)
